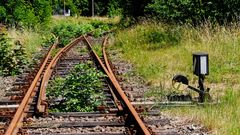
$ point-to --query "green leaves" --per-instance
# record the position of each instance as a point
(195, 12)
(67, 31)
(79, 91)
(22, 13)
(12, 57)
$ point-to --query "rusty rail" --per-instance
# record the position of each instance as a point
(41, 103)
(116, 100)
(142, 129)
(24, 106)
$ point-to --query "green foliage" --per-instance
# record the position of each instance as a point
(12, 58)
(67, 31)
(149, 37)
(161, 37)
(194, 12)
(48, 40)
(43, 10)
(22, 13)
(3, 12)
(83, 7)
(79, 91)
(100, 28)
(133, 8)
(172, 10)
(158, 66)
(160, 50)
(114, 8)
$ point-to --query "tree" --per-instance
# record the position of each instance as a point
(25, 13)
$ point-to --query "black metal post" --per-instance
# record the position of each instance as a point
(201, 87)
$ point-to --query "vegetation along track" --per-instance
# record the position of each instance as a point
(31, 115)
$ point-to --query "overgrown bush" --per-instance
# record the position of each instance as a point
(12, 57)
(194, 12)
(22, 13)
(100, 28)
(67, 31)
(114, 8)
(153, 37)
(160, 38)
(79, 91)
(48, 40)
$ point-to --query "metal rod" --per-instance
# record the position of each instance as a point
(92, 8)
(201, 86)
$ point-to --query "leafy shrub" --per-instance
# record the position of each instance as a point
(48, 40)
(159, 37)
(194, 11)
(83, 7)
(100, 28)
(12, 58)
(114, 8)
(24, 16)
(2, 13)
(67, 31)
(22, 13)
(79, 91)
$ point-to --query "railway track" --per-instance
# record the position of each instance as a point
(30, 114)
(25, 111)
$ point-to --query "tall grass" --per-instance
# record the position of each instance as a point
(221, 119)
(31, 41)
(34, 39)
(160, 50)
(83, 20)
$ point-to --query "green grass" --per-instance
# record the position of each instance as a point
(32, 41)
(83, 20)
(159, 51)
(222, 118)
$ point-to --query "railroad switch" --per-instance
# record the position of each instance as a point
(200, 69)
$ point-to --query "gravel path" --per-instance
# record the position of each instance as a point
(6, 83)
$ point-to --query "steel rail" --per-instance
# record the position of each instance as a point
(117, 102)
(24, 105)
(138, 122)
(42, 103)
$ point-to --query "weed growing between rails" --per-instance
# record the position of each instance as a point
(158, 55)
(68, 28)
(80, 91)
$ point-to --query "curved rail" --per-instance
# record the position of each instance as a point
(41, 103)
(117, 102)
(132, 112)
(20, 113)
(142, 129)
